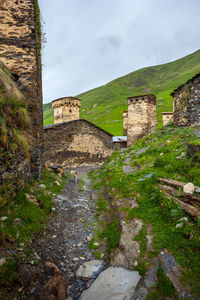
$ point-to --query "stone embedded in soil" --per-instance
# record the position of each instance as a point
(128, 249)
(113, 284)
(172, 271)
(133, 203)
(90, 269)
(147, 282)
(140, 151)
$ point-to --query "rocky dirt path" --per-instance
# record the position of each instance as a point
(66, 240)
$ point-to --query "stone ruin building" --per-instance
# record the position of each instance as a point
(167, 117)
(66, 109)
(141, 116)
(186, 102)
(71, 140)
(20, 43)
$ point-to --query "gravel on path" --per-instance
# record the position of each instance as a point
(69, 232)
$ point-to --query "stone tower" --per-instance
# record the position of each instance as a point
(167, 117)
(125, 121)
(66, 109)
(141, 116)
(20, 44)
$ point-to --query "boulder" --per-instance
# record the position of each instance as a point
(113, 284)
(189, 188)
(90, 269)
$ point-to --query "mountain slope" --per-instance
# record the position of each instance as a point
(104, 105)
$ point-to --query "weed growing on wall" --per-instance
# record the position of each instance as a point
(14, 132)
(13, 115)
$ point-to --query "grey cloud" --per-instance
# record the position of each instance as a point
(91, 42)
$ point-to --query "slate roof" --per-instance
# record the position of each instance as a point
(119, 139)
(52, 126)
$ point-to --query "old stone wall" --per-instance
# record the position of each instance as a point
(125, 122)
(76, 142)
(66, 109)
(20, 41)
(15, 166)
(141, 116)
(187, 103)
(167, 117)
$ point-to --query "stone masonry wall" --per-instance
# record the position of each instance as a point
(15, 166)
(76, 142)
(20, 52)
(141, 116)
(187, 103)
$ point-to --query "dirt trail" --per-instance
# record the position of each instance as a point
(70, 226)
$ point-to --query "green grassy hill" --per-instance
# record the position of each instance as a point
(104, 105)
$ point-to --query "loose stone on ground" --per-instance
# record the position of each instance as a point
(113, 284)
(90, 269)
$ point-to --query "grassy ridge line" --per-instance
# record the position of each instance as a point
(111, 97)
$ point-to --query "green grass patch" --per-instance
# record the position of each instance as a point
(111, 233)
(166, 157)
(164, 288)
(141, 238)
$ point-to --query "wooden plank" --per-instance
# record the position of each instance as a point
(191, 210)
(174, 183)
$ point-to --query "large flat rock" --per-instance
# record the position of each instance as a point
(112, 284)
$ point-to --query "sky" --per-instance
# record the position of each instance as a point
(91, 42)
